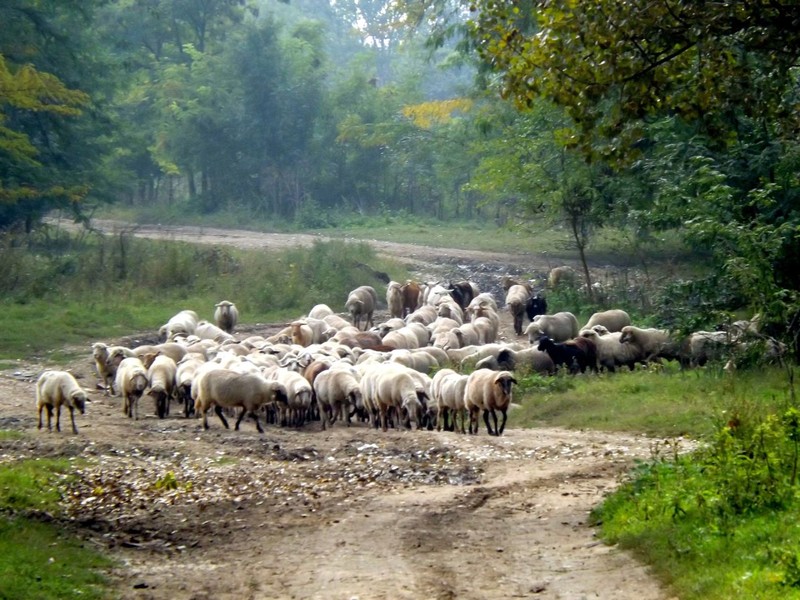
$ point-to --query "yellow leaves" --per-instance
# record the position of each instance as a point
(428, 114)
(29, 89)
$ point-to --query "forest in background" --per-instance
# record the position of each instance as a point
(649, 116)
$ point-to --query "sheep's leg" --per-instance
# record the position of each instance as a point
(383, 418)
(239, 420)
(41, 407)
(205, 418)
(218, 410)
(258, 423)
(503, 424)
(72, 418)
(486, 420)
(58, 418)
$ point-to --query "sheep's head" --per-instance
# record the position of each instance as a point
(79, 400)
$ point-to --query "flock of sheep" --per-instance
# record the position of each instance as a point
(436, 362)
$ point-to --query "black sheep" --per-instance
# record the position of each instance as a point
(576, 355)
(536, 305)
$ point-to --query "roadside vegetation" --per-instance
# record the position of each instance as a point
(38, 559)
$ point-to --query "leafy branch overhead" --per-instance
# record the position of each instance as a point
(612, 63)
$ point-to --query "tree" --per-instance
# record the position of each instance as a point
(611, 63)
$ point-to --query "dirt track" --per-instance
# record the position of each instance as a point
(347, 513)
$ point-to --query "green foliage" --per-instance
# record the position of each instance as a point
(32, 485)
(70, 290)
(715, 523)
(37, 562)
(37, 559)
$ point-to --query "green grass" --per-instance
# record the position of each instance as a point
(721, 522)
(667, 402)
(70, 293)
(39, 560)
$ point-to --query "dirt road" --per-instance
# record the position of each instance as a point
(344, 513)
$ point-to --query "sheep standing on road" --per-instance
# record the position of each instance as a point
(226, 316)
(335, 389)
(361, 303)
(106, 365)
(57, 388)
(488, 391)
(222, 388)
(516, 301)
(183, 323)
(161, 375)
(131, 383)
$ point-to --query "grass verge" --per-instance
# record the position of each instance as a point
(720, 522)
(38, 559)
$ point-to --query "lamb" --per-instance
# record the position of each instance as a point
(394, 299)
(559, 327)
(183, 323)
(361, 303)
(487, 321)
(226, 316)
(57, 388)
(516, 300)
(482, 299)
(508, 359)
(613, 320)
(488, 391)
(425, 315)
(106, 367)
(335, 389)
(161, 375)
(610, 352)
(447, 392)
(577, 354)
(222, 388)
(131, 382)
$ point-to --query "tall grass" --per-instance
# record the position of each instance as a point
(59, 290)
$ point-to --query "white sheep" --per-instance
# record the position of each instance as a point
(562, 276)
(106, 366)
(611, 353)
(184, 375)
(394, 299)
(560, 327)
(361, 304)
(226, 315)
(516, 300)
(487, 321)
(161, 375)
(613, 320)
(131, 383)
(57, 388)
(652, 343)
(183, 323)
(421, 362)
(209, 331)
(298, 397)
(389, 388)
(488, 391)
(320, 311)
(531, 359)
(335, 389)
(425, 314)
(447, 392)
(222, 388)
